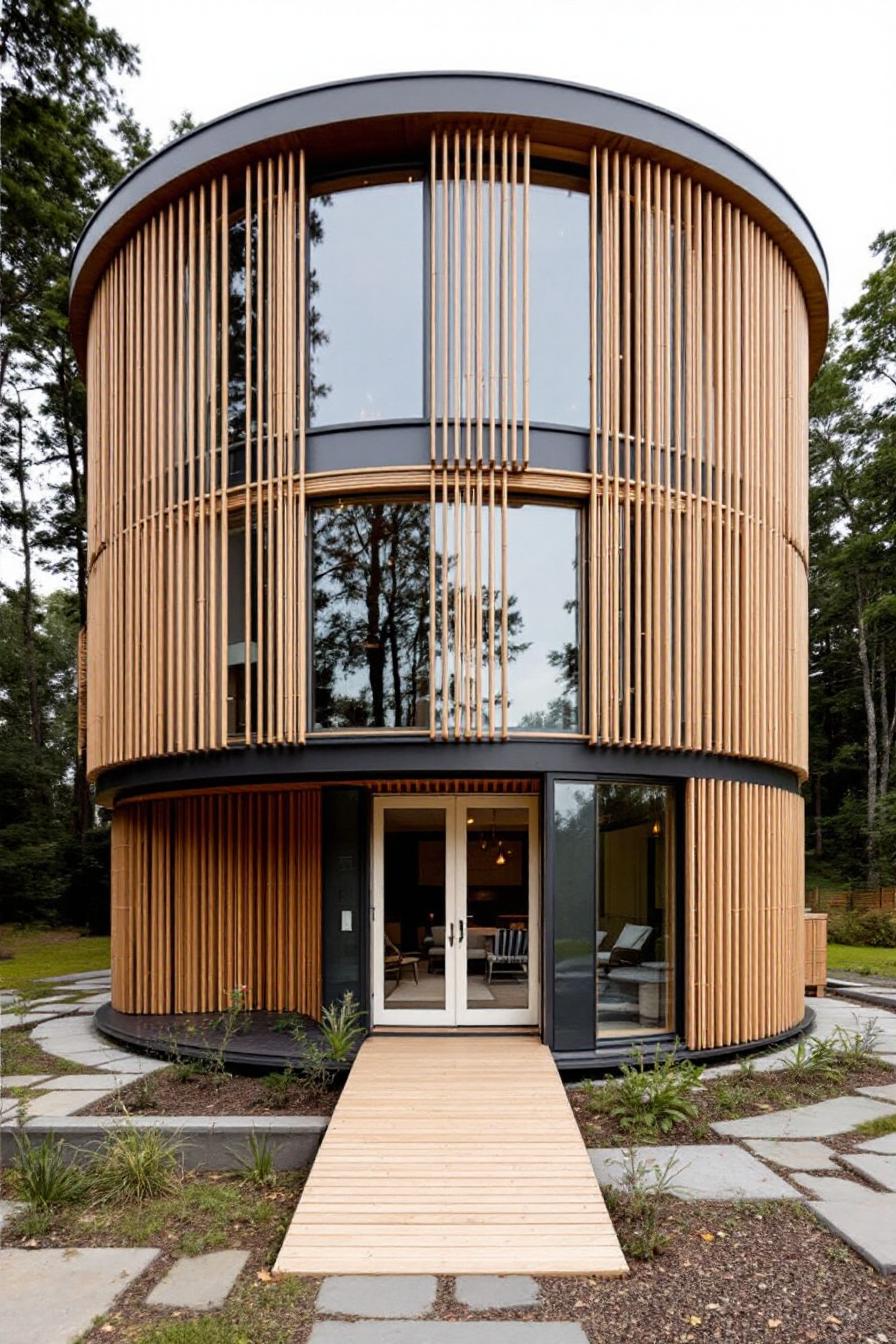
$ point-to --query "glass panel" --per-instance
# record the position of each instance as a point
(496, 934)
(542, 620)
(575, 883)
(371, 616)
(366, 304)
(414, 907)
(543, 625)
(636, 955)
(558, 317)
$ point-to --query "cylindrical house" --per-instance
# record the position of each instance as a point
(447, 633)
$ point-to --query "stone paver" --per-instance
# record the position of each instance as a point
(44, 1104)
(881, 1091)
(53, 1295)
(200, 1281)
(491, 1292)
(795, 1154)
(877, 1167)
(884, 1143)
(867, 1224)
(821, 1120)
(380, 1295)
(447, 1332)
(11, 1080)
(84, 1082)
(831, 1187)
(704, 1171)
(9, 1209)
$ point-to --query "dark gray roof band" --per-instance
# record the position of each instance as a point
(446, 94)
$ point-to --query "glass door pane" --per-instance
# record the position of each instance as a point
(635, 910)
(494, 936)
(416, 929)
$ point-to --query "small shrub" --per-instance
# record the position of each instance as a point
(645, 1192)
(135, 1164)
(814, 1058)
(144, 1093)
(259, 1162)
(42, 1176)
(654, 1099)
(862, 928)
(279, 1087)
(856, 1049)
(341, 1024)
(590, 1093)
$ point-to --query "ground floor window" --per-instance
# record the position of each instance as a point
(614, 906)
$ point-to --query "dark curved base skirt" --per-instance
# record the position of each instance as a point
(266, 1044)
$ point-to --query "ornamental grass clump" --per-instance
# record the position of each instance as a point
(653, 1099)
(341, 1024)
(42, 1177)
(135, 1164)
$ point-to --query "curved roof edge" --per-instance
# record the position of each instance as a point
(445, 93)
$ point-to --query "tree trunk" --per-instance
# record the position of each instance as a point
(28, 645)
(871, 739)
(816, 799)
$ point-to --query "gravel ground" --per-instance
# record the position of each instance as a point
(737, 1274)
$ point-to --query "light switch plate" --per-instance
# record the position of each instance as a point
(346, 921)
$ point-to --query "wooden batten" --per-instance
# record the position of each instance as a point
(743, 912)
(211, 893)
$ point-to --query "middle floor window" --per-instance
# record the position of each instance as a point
(370, 569)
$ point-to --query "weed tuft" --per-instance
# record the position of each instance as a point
(259, 1162)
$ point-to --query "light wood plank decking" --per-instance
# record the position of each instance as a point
(452, 1156)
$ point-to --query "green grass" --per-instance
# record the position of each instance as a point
(20, 1054)
(199, 1214)
(36, 953)
(875, 1129)
(254, 1312)
(862, 960)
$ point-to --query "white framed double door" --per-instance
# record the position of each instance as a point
(455, 910)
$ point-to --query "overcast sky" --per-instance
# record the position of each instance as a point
(804, 86)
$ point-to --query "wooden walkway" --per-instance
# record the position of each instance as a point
(452, 1156)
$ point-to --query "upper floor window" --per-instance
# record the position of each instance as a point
(366, 317)
(558, 306)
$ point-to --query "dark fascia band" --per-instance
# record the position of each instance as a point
(338, 758)
(405, 443)
(392, 98)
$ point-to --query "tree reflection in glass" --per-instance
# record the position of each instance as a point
(371, 616)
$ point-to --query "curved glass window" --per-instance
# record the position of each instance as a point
(371, 616)
(366, 317)
(558, 306)
(543, 610)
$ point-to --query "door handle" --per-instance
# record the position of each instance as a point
(451, 935)
(461, 926)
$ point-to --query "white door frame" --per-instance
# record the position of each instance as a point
(455, 1011)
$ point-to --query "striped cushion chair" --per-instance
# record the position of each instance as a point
(510, 953)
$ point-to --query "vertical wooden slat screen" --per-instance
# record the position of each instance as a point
(163, 489)
(696, 630)
(698, 501)
(212, 893)
(479, 417)
(744, 897)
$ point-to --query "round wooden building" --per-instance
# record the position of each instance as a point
(447, 633)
